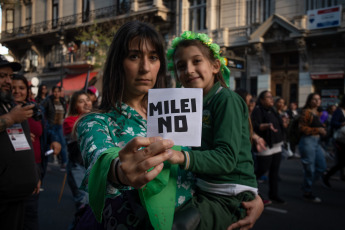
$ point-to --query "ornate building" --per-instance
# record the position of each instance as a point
(289, 47)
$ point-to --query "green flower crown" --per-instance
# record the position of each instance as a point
(188, 35)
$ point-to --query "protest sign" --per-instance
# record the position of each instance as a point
(175, 114)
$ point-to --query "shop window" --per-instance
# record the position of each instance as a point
(197, 15)
(9, 20)
(258, 10)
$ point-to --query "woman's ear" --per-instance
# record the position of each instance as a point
(216, 66)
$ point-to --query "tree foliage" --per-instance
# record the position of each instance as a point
(96, 39)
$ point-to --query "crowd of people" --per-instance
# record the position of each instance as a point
(114, 173)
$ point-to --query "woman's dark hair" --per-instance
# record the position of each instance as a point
(72, 110)
(207, 53)
(39, 93)
(18, 77)
(261, 97)
(114, 74)
(308, 101)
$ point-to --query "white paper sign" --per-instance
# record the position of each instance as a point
(175, 114)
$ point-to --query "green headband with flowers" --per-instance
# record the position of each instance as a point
(188, 35)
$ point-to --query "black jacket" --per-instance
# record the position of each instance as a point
(261, 115)
(18, 174)
(49, 108)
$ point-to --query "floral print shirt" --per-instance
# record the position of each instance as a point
(98, 132)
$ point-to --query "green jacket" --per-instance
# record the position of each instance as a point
(225, 152)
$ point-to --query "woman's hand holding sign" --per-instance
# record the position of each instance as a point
(135, 160)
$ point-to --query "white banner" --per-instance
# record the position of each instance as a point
(175, 114)
(324, 18)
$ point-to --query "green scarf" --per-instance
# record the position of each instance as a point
(158, 196)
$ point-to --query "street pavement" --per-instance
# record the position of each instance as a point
(297, 214)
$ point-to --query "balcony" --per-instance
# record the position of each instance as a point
(71, 21)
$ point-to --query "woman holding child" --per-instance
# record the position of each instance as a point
(116, 153)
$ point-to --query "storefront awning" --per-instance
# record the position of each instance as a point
(327, 75)
(76, 82)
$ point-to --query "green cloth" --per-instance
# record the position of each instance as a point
(98, 181)
(158, 196)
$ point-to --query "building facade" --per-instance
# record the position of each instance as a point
(291, 48)
(42, 34)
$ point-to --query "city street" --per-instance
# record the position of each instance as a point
(297, 214)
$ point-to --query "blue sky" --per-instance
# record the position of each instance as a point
(3, 50)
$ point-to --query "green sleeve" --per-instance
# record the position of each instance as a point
(98, 181)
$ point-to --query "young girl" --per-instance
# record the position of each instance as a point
(223, 164)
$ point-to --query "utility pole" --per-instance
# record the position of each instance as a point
(61, 41)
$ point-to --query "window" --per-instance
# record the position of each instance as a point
(316, 4)
(197, 15)
(86, 10)
(9, 20)
(258, 11)
(293, 92)
(279, 90)
(123, 6)
(55, 13)
(28, 10)
(237, 83)
(254, 86)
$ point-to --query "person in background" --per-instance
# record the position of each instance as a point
(20, 92)
(337, 122)
(80, 104)
(18, 178)
(42, 93)
(55, 110)
(292, 110)
(259, 142)
(294, 114)
(312, 155)
(279, 106)
(268, 124)
(93, 93)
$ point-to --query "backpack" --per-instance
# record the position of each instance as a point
(294, 133)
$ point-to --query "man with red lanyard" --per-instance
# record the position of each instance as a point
(18, 175)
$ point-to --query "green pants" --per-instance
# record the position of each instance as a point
(217, 212)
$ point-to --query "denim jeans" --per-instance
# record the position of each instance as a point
(75, 175)
(313, 160)
(57, 129)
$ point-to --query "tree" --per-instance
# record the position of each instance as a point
(96, 39)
